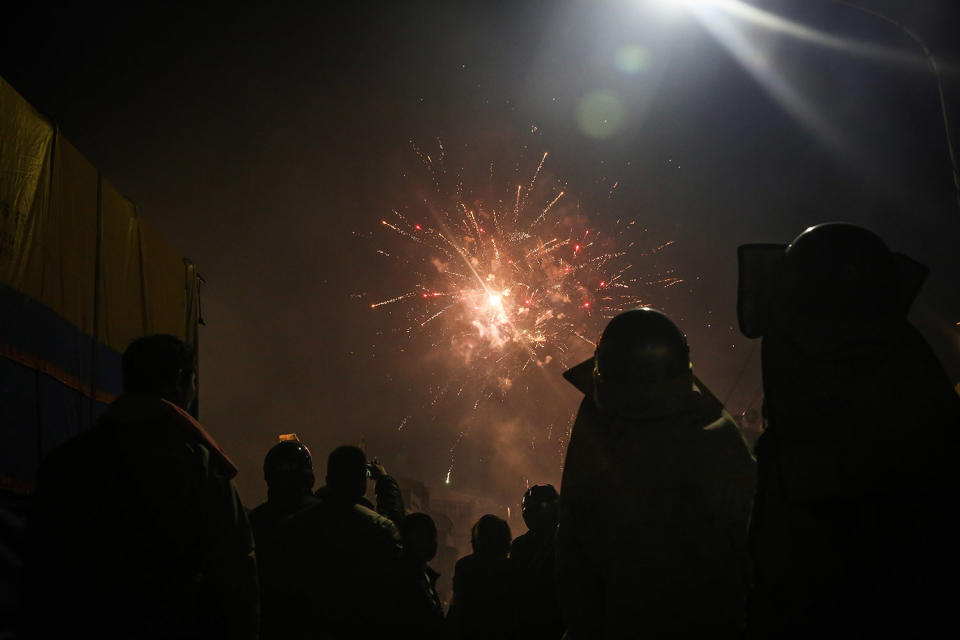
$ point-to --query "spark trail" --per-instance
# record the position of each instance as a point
(509, 278)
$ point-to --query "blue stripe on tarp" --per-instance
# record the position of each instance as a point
(62, 413)
(34, 328)
(40, 410)
(37, 414)
(19, 433)
(109, 370)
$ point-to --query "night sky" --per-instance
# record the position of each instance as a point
(267, 143)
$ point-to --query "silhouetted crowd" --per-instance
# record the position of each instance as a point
(843, 525)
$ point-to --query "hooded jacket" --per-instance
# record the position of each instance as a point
(656, 493)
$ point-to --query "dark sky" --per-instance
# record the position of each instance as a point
(265, 142)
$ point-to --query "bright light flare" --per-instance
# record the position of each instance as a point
(744, 30)
(674, 9)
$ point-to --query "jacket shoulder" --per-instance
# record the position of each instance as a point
(725, 436)
(384, 523)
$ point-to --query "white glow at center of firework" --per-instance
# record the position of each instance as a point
(510, 281)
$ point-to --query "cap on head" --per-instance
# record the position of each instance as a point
(541, 507)
(641, 345)
(833, 273)
(490, 537)
(419, 535)
(288, 462)
(841, 260)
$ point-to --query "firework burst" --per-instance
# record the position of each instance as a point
(511, 277)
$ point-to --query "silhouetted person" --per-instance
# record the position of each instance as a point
(854, 529)
(288, 471)
(389, 497)
(534, 556)
(446, 558)
(421, 612)
(341, 559)
(655, 497)
(483, 604)
(137, 531)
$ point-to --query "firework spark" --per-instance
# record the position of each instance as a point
(512, 278)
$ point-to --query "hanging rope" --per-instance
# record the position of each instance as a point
(743, 370)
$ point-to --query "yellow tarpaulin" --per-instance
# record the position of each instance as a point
(81, 275)
(127, 283)
(71, 241)
(26, 140)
